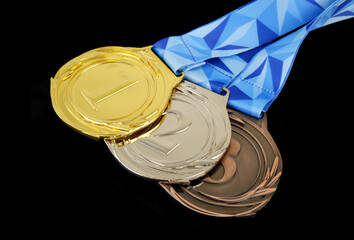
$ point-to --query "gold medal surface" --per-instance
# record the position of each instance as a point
(112, 91)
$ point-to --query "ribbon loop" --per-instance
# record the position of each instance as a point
(245, 51)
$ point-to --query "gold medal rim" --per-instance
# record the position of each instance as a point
(161, 79)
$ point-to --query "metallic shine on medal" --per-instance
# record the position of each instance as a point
(244, 180)
(120, 95)
(191, 138)
(178, 132)
(112, 91)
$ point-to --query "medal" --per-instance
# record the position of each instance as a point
(244, 180)
(112, 91)
(189, 141)
(178, 132)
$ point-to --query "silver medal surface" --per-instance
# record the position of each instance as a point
(193, 137)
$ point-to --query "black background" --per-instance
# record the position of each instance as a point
(74, 183)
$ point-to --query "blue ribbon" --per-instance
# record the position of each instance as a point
(246, 50)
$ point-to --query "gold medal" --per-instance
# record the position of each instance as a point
(112, 91)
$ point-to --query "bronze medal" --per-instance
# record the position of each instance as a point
(244, 180)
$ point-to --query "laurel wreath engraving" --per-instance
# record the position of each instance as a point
(250, 201)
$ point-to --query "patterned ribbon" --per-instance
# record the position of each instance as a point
(246, 50)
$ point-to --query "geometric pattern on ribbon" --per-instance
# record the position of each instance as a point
(247, 27)
(257, 86)
(256, 73)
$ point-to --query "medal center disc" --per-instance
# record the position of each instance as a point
(246, 166)
(108, 91)
(173, 144)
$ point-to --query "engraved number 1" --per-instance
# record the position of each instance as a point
(93, 98)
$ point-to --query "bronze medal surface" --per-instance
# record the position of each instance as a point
(243, 181)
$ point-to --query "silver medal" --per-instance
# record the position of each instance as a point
(193, 137)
